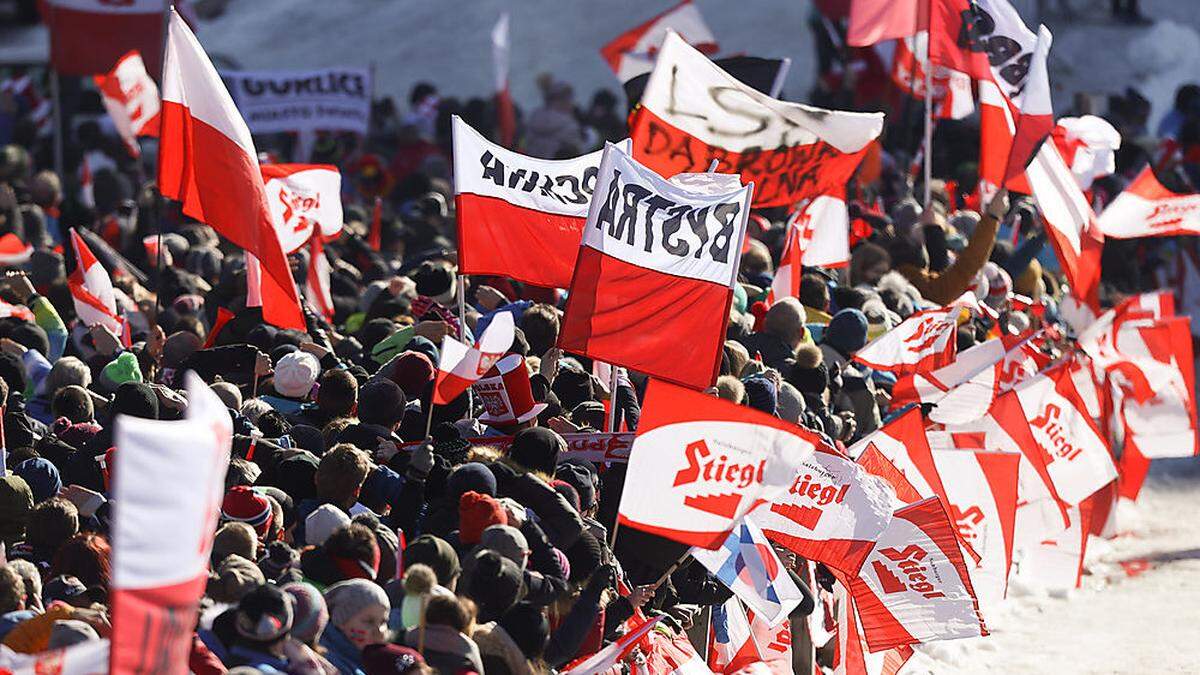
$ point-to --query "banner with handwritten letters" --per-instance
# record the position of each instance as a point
(327, 99)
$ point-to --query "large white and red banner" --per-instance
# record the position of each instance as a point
(633, 52)
(655, 270)
(207, 161)
(970, 400)
(91, 289)
(914, 586)
(460, 365)
(304, 199)
(693, 112)
(168, 481)
(832, 513)
(131, 98)
(1073, 448)
(1148, 209)
(699, 464)
(519, 216)
(923, 342)
(88, 37)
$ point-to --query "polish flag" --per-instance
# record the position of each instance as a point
(1162, 417)
(925, 341)
(316, 282)
(656, 269)
(506, 116)
(1073, 448)
(832, 513)
(88, 36)
(460, 366)
(971, 365)
(208, 162)
(684, 124)
(632, 53)
(699, 464)
(166, 474)
(786, 282)
(952, 95)
(304, 199)
(914, 586)
(92, 289)
(608, 658)
(1036, 120)
(131, 98)
(519, 216)
(1148, 209)
(873, 21)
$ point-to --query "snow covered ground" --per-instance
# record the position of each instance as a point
(1116, 623)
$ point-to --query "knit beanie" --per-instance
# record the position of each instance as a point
(244, 505)
(579, 478)
(526, 624)
(573, 386)
(435, 552)
(137, 400)
(419, 584)
(537, 449)
(234, 577)
(346, 599)
(411, 371)
(16, 501)
(264, 614)
(507, 541)
(789, 405)
(495, 584)
(279, 559)
(67, 632)
(322, 522)
(120, 370)
(296, 373)
(847, 331)
(761, 394)
(310, 614)
(470, 477)
(388, 348)
(476, 512)
(42, 476)
(178, 347)
(391, 659)
(234, 538)
(381, 402)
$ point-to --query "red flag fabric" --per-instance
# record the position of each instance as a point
(166, 474)
(1036, 120)
(873, 21)
(656, 269)
(131, 98)
(506, 115)
(633, 52)
(700, 463)
(88, 36)
(304, 199)
(518, 216)
(914, 586)
(932, 386)
(923, 342)
(614, 653)
(985, 39)
(684, 124)
(208, 162)
(832, 512)
(91, 288)
(850, 654)
(1148, 209)
(460, 366)
(952, 96)
(375, 232)
(731, 645)
(971, 399)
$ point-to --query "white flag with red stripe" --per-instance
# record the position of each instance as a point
(1088, 145)
(923, 342)
(633, 52)
(699, 464)
(1036, 119)
(832, 512)
(684, 123)
(304, 199)
(614, 653)
(972, 399)
(91, 288)
(850, 655)
(207, 161)
(656, 269)
(1148, 209)
(316, 281)
(131, 98)
(461, 366)
(914, 586)
(168, 483)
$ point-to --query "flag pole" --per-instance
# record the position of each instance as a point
(461, 293)
(928, 114)
(777, 85)
(612, 398)
(160, 203)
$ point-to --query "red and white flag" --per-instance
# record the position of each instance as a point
(1160, 417)
(83, 658)
(987, 367)
(1088, 145)
(923, 342)
(786, 282)
(1036, 120)
(207, 161)
(1073, 448)
(304, 199)
(914, 586)
(831, 513)
(614, 653)
(168, 481)
(748, 565)
(952, 96)
(970, 400)
(506, 115)
(461, 366)
(1148, 209)
(519, 216)
(633, 52)
(91, 288)
(684, 123)
(87, 37)
(850, 654)
(774, 645)
(656, 269)
(131, 99)
(316, 282)
(699, 464)
(1057, 562)
(731, 645)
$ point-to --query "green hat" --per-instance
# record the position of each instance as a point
(123, 369)
(16, 502)
(739, 298)
(387, 348)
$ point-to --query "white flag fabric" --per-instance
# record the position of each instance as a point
(131, 98)
(1146, 208)
(460, 365)
(924, 341)
(304, 199)
(91, 289)
(633, 52)
(84, 658)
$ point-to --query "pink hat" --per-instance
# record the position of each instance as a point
(507, 396)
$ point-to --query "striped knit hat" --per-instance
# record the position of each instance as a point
(244, 505)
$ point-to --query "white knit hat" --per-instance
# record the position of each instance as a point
(296, 373)
(322, 523)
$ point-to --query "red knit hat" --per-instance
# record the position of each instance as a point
(476, 513)
(244, 505)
